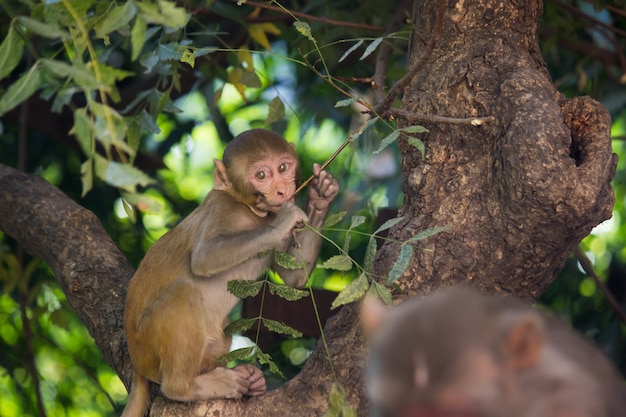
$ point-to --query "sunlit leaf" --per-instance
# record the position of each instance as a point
(371, 48)
(125, 176)
(238, 354)
(239, 326)
(117, 18)
(304, 29)
(129, 210)
(349, 51)
(266, 359)
(401, 264)
(244, 288)
(338, 262)
(357, 221)
(353, 292)
(42, 29)
(189, 57)
(288, 261)
(389, 224)
(146, 204)
(258, 31)
(86, 176)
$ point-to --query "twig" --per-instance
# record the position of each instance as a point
(380, 73)
(313, 18)
(412, 117)
(404, 81)
(586, 264)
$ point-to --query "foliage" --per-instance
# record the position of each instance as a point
(145, 85)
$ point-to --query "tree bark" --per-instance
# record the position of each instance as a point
(518, 194)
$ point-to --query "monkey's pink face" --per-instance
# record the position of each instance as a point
(274, 181)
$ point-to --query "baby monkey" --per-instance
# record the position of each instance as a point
(459, 353)
(178, 303)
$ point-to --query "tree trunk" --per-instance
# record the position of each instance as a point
(519, 193)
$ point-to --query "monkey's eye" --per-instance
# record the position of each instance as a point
(282, 167)
(260, 175)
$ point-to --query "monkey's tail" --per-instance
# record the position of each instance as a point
(139, 397)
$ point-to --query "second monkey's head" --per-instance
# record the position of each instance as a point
(260, 169)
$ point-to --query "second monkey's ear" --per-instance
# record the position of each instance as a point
(220, 177)
(525, 340)
(373, 313)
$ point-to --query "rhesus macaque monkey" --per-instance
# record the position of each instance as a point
(177, 303)
(459, 353)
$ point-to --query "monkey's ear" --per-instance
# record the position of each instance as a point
(373, 313)
(220, 177)
(524, 339)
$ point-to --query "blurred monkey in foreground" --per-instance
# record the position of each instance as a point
(178, 304)
(459, 353)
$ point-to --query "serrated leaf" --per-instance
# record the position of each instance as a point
(370, 255)
(349, 51)
(189, 57)
(388, 224)
(238, 354)
(427, 233)
(348, 411)
(43, 29)
(266, 359)
(356, 221)
(286, 292)
(281, 328)
(138, 37)
(276, 111)
(125, 176)
(78, 72)
(10, 52)
(401, 264)
(353, 292)
(250, 79)
(257, 31)
(334, 218)
(145, 204)
(336, 400)
(239, 326)
(371, 48)
(244, 288)
(417, 143)
(338, 262)
(288, 261)
(381, 292)
(388, 140)
(21, 89)
(304, 29)
(83, 130)
(86, 176)
(346, 102)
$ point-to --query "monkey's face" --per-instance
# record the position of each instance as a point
(273, 180)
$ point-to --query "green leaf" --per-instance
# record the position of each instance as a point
(238, 354)
(401, 264)
(353, 292)
(371, 48)
(244, 288)
(414, 129)
(86, 176)
(276, 111)
(117, 18)
(10, 52)
(83, 130)
(43, 29)
(357, 221)
(250, 79)
(336, 400)
(81, 75)
(334, 218)
(138, 37)
(346, 102)
(239, 326)
(281, 328)
(304, 29)
(388, 140)
(288, 261)
(349, 51)
(417, 143)
(370, 254)
(266, 359)
(427, 233)
(286, 292)
(189, 57)
(125, 176)
(338, 262)
(382, 292)
(21, 89)
(388, 224)
(129, 210)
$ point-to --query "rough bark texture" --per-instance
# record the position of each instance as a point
(518, 193)
(90, 268)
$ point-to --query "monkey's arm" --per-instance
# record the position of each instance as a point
(305, 245)
(224, 252)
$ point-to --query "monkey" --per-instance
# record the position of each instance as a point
(177, 302)
(461, 353)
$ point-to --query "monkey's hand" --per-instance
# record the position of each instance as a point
(324, 188)
(289, 217)
(255, 378)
